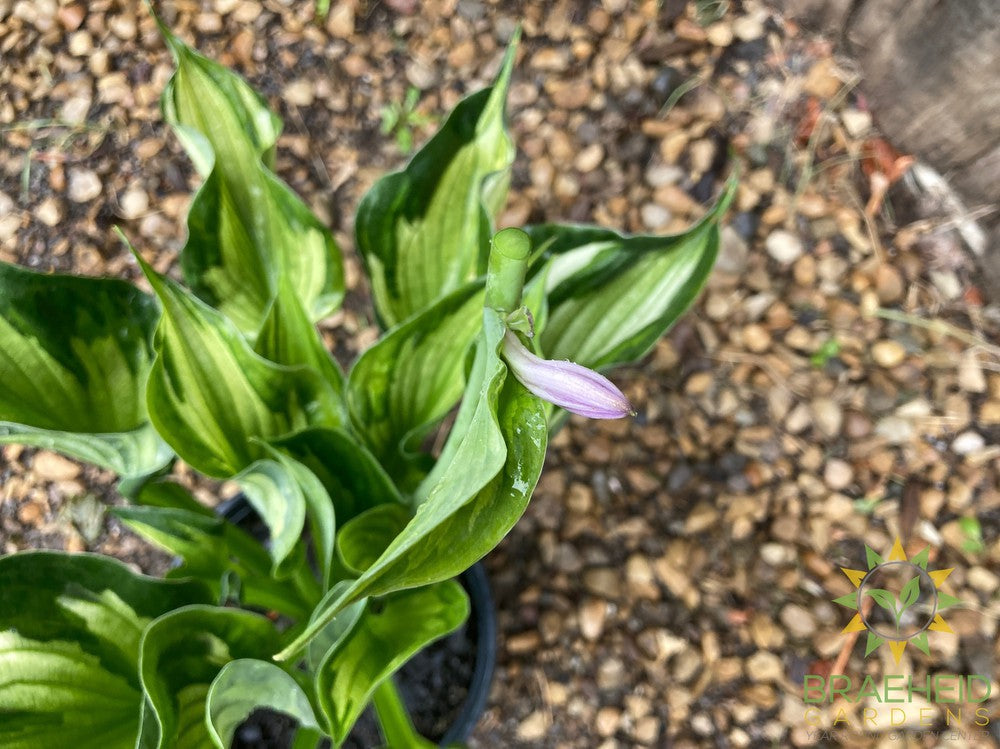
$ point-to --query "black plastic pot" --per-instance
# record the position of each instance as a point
(445, 686)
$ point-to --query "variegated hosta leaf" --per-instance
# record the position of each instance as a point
(475, 494)
(277, 498)
(289, 337)
(336, 628)
(406, 383)
(352, 477)
(212, 398)
(212, 549)
(611, 297)
(70, 629)
(361, 541)
(320, 511)
(424, 232)
(181, 654)
(285, 493)
(244, 685)
(74, 357)
(246, 228)
(381, 640)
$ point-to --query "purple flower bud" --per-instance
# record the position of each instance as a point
(571, 386)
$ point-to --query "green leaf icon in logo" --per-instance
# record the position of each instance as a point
(909, 594)
(907, 597)
(886, 600)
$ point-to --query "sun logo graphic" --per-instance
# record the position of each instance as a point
(898, 601)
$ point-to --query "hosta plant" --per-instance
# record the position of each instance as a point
(367, 524)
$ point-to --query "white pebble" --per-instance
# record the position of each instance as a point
(968, 442)
(84, 185)
(783, 246)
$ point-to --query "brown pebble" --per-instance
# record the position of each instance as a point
(607, 720)
(525, 642)
(572, 95)
(603, 581)
(989, 413)
(31, 513)
(838, 474)
(888, 353)
(533, 727)
(888, 284)
(52, 467)
(756, 338)
(71, 16)
(592, 614)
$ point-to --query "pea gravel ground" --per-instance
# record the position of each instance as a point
(837, 384)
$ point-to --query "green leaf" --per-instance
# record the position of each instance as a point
(945, 601)
(181, 654)
(351, 476)
(476, 492)
(536, 301)
(196, 538)
(885, 599)
(424, 232)
(39, 590)
(872, 642)
(336, 628)
(74, 357)
(53, 693)
(404, 139)
(611, 297)
(132, 455)
(213, 549)
(872, 557)
(277, 497)
(829, 349)
(163, 492)
(210, 395)
(246, 228)
(406, 383)
(319, 511)
(70, 628)
(867, 505)
(850, 600)
(289, 337)
(909, 594)
(920, 643)
(192, 728)
(242, 686)
(973, 532)
(921, 558)
(389, 632)
(363, 540)
(390, 117)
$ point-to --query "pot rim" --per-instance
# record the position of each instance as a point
(477, 584)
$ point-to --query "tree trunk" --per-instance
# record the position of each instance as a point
(932, 74)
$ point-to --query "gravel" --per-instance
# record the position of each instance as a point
(837, 383)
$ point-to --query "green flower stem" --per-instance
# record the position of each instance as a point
(397, 727)
(508, 264)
